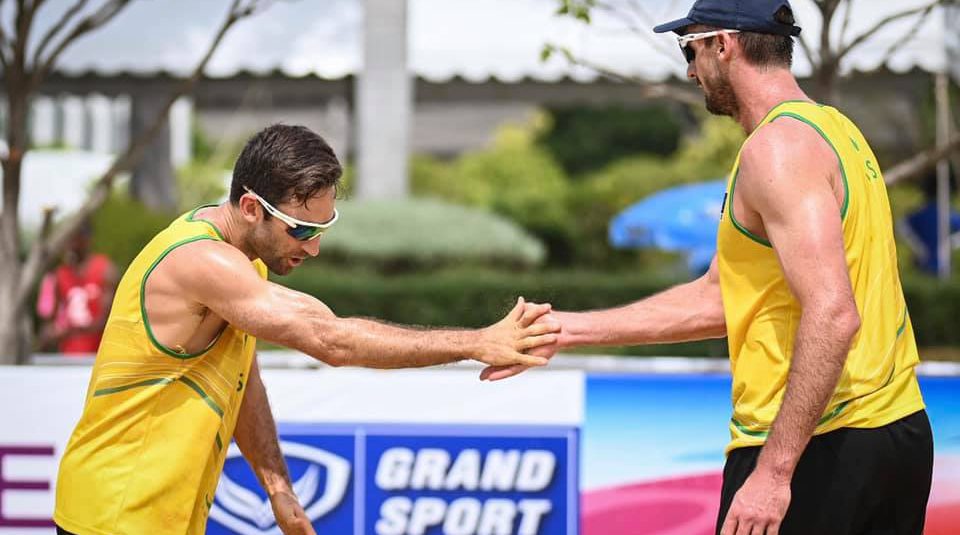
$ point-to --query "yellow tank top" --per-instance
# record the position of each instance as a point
(878, 384)
(147, 453)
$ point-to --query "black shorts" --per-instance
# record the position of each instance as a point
(852, 481)
(61, 531)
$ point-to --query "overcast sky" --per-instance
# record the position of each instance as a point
(473, 38)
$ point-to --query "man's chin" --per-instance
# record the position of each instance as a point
(713, 109)
(279, 268)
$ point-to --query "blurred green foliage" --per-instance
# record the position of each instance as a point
(586, 138)
(521, 178)
(201, 182)
(467, 258)
(122, 226)
(398, 236)
(473, 298)
(514, 178)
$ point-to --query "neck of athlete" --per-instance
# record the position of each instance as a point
(759, 90)
(234, 229)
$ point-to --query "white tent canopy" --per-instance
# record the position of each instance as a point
(476, 40)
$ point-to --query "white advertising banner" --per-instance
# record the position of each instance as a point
(428, 451)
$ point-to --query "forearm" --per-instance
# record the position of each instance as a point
(256, 435)
(820, 351)
(372, 344)
(308, 325)
(691, 311)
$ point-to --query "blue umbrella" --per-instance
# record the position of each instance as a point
(681, 219)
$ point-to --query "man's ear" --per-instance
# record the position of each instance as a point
(249, 208)
(725, 46)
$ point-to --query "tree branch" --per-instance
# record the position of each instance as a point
(845, 49)
(896, 45)
(644, 17)
(921, 163)
(91, 22)
(828, 9)
(56, 29)
(846, 20)
(808, 52)
(3, 41)
(42, 249)
(647, 89)
(23, 21)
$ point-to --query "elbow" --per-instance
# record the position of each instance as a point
(852, 323)
(845, 320)
(334, 361)
(332, 356)
(327, 344)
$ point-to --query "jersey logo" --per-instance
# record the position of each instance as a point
(245, 512)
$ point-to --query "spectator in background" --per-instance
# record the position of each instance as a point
(75, 298)
(919, 228)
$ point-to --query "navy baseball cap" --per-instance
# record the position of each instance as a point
(760, 16)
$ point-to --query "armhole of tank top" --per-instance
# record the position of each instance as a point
(733, 218)
(143, 303)
(843, 170)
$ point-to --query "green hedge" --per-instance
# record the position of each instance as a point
(477, 298)
(123, 226)
(585, 138)
(404, 235)
(934, 310)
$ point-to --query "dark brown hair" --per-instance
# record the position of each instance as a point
(285, 163)
(770, 50)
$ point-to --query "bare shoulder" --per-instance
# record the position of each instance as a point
(204, 266)
(784, 155)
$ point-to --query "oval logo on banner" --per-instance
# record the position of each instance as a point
(320, 489)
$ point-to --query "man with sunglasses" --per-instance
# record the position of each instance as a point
(175, 376)
(829, 433)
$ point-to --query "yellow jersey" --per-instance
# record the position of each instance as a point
(147, 453)
(878, 384)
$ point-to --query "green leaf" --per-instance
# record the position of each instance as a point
(583, 13)
(546, 52)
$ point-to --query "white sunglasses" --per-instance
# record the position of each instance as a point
(301, 230)
(685, 40)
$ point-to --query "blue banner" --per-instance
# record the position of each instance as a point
(414, 479)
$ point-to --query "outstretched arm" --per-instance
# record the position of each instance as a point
(256, 435)
(690, 311)
(232, 289)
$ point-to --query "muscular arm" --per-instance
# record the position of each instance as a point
(788, 176)
(690, 311)
(231, 288)
(256, 435)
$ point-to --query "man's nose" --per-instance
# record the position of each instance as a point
(312, 247)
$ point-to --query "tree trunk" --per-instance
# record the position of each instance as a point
(10, 246)
(825, 82)
(153, 182)
(9, 319)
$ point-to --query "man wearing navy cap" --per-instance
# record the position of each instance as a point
(829, 433)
